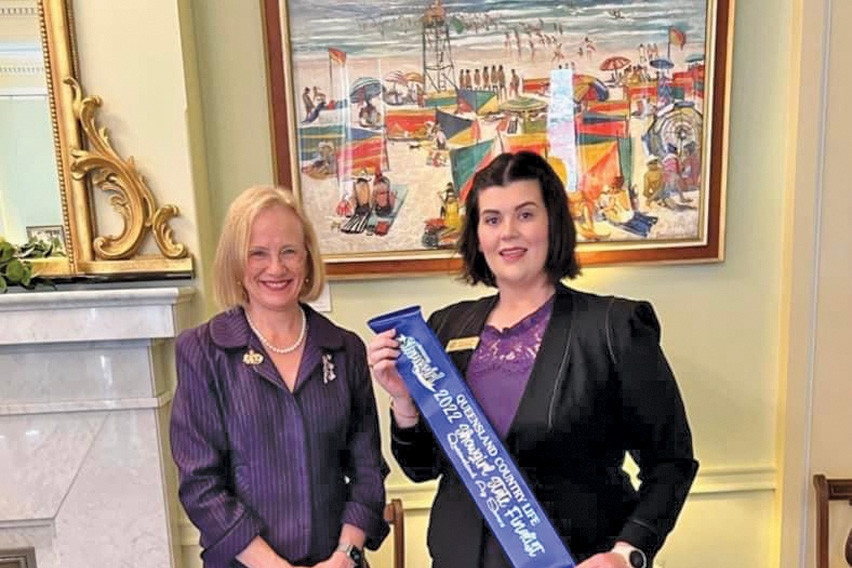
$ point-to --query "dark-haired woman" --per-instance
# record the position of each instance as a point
(569, 380)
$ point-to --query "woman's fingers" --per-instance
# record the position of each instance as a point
(386, 374)
(389, 334)
(384, 339)
(383, 354)
(382, 347)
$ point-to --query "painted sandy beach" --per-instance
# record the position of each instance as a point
(398, 107)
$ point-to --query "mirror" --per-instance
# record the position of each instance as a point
(48, 174)
(30, 195)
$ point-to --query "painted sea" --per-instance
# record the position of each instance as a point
(371, 28)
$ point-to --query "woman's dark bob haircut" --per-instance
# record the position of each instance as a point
(562, 236)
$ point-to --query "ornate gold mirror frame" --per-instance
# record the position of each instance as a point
(97, 166)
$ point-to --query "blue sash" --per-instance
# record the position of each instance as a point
(468, 440)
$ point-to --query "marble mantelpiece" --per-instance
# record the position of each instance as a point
(85, 395)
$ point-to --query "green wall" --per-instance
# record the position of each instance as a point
(720, 321)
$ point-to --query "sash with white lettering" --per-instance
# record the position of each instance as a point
(469, 441)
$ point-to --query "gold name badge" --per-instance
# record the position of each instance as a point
(462, 344)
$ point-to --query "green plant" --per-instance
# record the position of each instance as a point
(15, 271)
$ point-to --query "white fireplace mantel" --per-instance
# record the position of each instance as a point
(87, 380)
(92, 315)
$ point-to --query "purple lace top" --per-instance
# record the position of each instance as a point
(497, 375)
(500, 367)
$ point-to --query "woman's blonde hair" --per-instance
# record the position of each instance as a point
(232, 251)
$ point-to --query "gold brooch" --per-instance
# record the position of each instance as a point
(252, 357)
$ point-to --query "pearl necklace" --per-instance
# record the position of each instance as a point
(280, 350)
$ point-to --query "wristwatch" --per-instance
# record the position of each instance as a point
(353, 553)
(635, 557)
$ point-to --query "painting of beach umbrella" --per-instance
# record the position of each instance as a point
(661, 64)
(395, 77)
(614, 64)
(529, 109)
(589, 88)
(695, 58)
(364, 88)
(523, 105)
(414, 77)
(679, 126)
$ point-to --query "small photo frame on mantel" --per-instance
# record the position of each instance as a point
(53, 234)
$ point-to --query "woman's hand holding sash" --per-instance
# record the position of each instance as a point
(470, 443)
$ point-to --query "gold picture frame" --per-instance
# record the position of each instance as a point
(371, 101)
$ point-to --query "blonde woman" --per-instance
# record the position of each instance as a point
(274, 426)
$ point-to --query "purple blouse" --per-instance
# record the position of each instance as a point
(256, 459)
(497, 375)
(501, 366)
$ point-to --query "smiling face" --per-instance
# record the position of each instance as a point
(276, 261)
(513, 233)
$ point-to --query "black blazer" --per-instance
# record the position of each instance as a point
(600, 386)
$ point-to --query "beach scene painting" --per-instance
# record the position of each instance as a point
(396, 104)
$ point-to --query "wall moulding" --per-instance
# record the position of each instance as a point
(12, 11)
(711, 481)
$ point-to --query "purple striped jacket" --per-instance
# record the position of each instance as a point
(256, 459)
